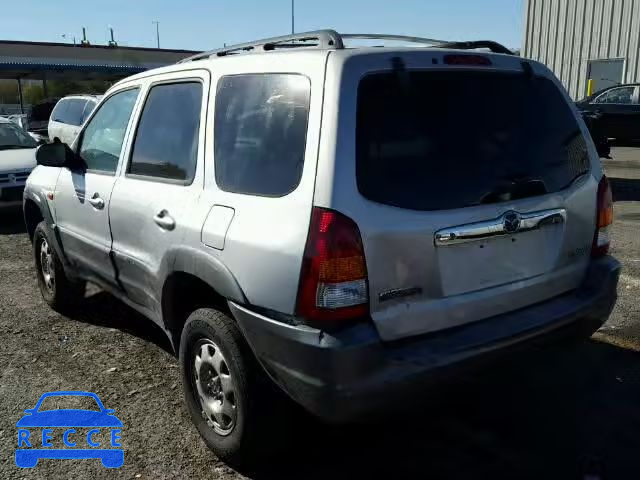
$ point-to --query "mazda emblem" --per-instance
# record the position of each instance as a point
(511, 222)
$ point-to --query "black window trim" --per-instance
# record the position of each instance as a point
(306, 133)
(93, 113)
(150, 178)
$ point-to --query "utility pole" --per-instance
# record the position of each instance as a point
(157, 32)
(293, 29)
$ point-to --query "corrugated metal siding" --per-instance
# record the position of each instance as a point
(565, 34)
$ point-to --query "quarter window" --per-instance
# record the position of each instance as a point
(166, 143)
(260, 133)
(101, 141)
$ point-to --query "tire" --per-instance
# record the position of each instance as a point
(61, 293)
(252, 428)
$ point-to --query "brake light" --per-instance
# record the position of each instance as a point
(604, 219)
(333, 280)
(477, 60)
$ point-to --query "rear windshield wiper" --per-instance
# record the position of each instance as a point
(513, 189)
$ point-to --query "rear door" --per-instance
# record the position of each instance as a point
(160, 183)
(472, 189)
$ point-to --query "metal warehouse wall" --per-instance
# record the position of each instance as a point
(565, 34)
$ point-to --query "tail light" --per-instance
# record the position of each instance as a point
(333, 280)
(604, 218)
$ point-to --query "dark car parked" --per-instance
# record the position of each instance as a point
(618, 111)
(38, 119)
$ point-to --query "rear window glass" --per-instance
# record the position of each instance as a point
(443, 140)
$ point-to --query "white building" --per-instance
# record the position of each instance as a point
(584, 39)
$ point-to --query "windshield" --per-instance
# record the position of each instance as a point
(12, 136)
(427, 141)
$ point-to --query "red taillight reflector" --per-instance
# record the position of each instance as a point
(604, 218)
(333, 280)
(477, 60)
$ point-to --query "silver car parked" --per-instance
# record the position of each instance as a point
(342, 223)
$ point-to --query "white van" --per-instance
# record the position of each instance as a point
(68, 116)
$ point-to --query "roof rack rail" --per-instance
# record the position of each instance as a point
(495, 47)
(317, 39)
(330, 39)
(400, 38)
(77, 94)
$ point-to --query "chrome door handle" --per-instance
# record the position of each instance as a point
(164, 220)
(96, 201)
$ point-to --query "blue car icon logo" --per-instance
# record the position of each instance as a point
(79, 433)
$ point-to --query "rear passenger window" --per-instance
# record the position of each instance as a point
(166, 143)
(260, 133)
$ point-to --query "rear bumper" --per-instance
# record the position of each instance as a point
(345, 375)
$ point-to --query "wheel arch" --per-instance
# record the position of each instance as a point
(32, 216)
(194, 279)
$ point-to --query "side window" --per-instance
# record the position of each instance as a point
(59, 111)
(102, 137)
(260, 133)
(74, 111)
(166, 142)
(88, 108)
(622, 95)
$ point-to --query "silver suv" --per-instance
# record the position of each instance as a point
(344, 223)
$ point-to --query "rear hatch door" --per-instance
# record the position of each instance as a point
(476, 193)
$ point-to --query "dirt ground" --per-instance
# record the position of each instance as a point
(557, 412)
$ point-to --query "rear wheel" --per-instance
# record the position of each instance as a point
(57, 290)
(227, 395)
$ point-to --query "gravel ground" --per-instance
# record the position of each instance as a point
(551, 413)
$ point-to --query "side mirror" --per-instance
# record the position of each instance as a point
(57, 154)
(29, 411)
(109, 411)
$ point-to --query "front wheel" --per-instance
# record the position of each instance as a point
(226, 393)
(57, 290)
